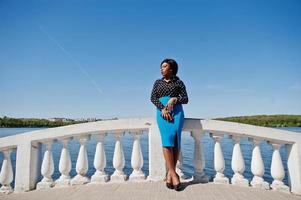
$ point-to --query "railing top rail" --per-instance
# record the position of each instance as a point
(138, 124)
(262, 133)
(107, 126)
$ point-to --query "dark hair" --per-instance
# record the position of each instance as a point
(172, 64)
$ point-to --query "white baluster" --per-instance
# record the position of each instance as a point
(99, 161)
(219, 162)
(238, 165)
(81, 163)
(118, 160)
(137, 159)
(257, 167)
(64, 165)
(47, 168)
(198, 159)
(6, 174)
(277, 170)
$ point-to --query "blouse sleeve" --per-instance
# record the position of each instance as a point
(154, 97)
(183, 97)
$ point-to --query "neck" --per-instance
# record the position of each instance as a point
(168, 77)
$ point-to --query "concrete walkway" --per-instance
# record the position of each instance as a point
(151, 190)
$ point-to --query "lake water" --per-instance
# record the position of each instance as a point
(187, 151)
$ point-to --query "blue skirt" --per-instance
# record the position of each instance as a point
(170, 131)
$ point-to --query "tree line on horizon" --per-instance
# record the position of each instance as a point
(258, 120)
(33, 122)
(267, 120)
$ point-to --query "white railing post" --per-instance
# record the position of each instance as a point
(137, 159)
(47, 168)
(198, 158)
(277, 170)
(99, 161)
(238, 164)
(118, 160)
(81, 163)
(28, 166)
(257, 167)
(294, 166)
(6, 174)
(157, 168)
(64, 165)
(219, 162)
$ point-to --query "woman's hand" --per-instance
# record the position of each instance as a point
(165, 114)
(170, 103)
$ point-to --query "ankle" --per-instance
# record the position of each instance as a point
(175, 180)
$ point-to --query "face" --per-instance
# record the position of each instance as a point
(165, 70)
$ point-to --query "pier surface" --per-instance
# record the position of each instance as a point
(151, 190)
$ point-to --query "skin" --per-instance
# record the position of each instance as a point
(171, 154)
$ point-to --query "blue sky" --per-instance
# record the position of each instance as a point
(100, 58)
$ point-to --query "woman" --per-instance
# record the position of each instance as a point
(168, 95)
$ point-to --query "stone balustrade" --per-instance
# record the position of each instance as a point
(31, 163)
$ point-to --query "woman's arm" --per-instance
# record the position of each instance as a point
(154, 97)
(182, 97)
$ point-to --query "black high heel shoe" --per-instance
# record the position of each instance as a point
(178, 186)
(168, 185)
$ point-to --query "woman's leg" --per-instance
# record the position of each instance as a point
(169, 158)
(176, 154)
(175, 151)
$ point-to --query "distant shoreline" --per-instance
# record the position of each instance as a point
(258, 120)
(9, 122)
(267, 120)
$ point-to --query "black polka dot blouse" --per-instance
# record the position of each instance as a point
(173, 88)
